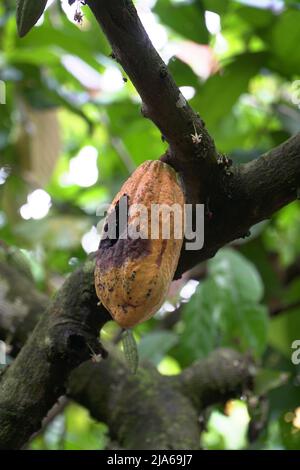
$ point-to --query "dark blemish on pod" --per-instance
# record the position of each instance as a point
(112, 253)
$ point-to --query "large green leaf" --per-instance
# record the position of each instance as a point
(225, 310)
(221, 91)
(245, 325)
(234, 272)
(28, 13)
(183, 74)
(201, 331)
(218, 6)
(256, 17)
(187, 19)
(282, 38)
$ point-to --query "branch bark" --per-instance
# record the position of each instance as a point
(222, 375)
(163, 102)
(143, 411)
(236, 198)
(169, 405)
(246, 195)
(59, 342)
(111, 393)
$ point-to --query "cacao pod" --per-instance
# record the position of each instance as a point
(133, 275)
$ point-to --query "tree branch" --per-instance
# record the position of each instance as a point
(222, 375)
(143, 411)
(33, 383)
(59, 342)
(169, 405)
(246, 195)
(235, 198)
(163, 102)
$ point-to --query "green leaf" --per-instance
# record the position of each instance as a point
(154, 346)
(201, 332)
(282, 37)
(68, 38)
(233, 271)
(28, 13)
(225, 310)
(243, 320)
(183, 74)
(257, 253)
(257, 17)
(218, 6)
(187, 19)
(245, 325)
(225, 87)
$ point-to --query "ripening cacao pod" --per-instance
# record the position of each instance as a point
(133, 274)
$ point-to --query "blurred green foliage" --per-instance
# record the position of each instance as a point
(72, 430)
(67, 100)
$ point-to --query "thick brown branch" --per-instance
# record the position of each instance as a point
(142, 411)
(223, 375)
(59, 342)
(108, 390)
(169, 405)
(246, 195)
(235, 198)
(163, 102)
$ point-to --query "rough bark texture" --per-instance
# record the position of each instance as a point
(109, 391)
(222, 375)
(59, 342)
(163, 102)
(169, 406)
(248, 194)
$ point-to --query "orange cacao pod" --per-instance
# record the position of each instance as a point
(133, 275)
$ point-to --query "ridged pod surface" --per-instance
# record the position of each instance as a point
(133, 275)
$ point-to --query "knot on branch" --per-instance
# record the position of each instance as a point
(72, 344)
